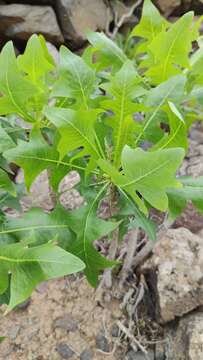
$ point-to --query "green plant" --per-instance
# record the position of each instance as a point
(95, 114)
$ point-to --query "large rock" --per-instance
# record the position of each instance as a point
(175, 274)
(77, 16)
(183, 341)
(19, 21)
(32, 2)
(167, 7)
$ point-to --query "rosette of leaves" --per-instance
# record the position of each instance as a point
(121, 121)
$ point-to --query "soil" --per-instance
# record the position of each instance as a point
(66, 319)
(60, 312)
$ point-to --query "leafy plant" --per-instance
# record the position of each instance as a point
(120, 119)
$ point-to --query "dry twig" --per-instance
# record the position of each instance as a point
(131, 337)
(121, 21)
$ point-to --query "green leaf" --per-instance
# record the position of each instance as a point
(178, 134)
(5, 140)
(35, 156)
(192, 190)
(123, 87)
(171, 90)
(76, 126)
(38, 227)
(30, 266)
(6, 184)
(110, 53)
(129, 208)
(34, 62)
(15, 88)
(2, 338)
(77, 79)
(91, 228)
(171, 49)
(151, 23)
(149, 173)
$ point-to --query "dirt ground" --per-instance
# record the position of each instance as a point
(62, 315)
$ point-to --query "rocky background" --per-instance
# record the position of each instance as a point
(66, 21)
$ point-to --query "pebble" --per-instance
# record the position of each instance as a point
(86, 355)
(102, 343)
(66, 323)
(64, 351)
(115, 330)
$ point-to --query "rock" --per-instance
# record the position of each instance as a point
(32, 2)
(64, 351)
(185, 341)
(191, 219)
(160, 351)
(24, 305)
(115, 330)
(14, 331)
(167, 7)
(77, 16)
(102, 343)
(53, 51)
(20, 21)
(69, 181)
(40, 194)
(66, 323)
(86, 355)
(71, 199)
(174, 274)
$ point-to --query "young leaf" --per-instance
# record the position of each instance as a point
(34, 62)
(123, 87)
(177, 136)
(151, 23)
(171, 50)
(15, 88)
(91, 228)
(171, 90)
(111, 54)
(77, 79)
(76, 126)
(30, 266)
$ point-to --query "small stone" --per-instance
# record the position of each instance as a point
(24, 305)
(115, 330)
(86, 355)
(160, 351)
(64, 351)
(102, 343)
(13, 333)
(66, 323)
